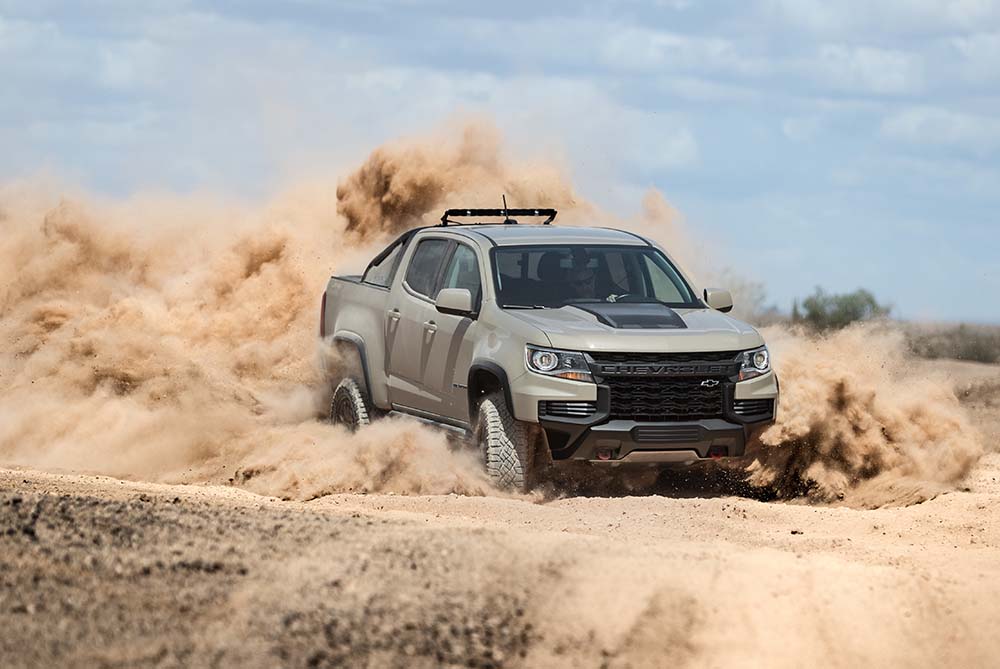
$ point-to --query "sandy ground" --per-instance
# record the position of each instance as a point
(99, 572)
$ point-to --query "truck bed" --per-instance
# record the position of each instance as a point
(355, 311)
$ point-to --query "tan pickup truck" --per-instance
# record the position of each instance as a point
(548, 344)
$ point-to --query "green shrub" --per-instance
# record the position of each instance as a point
(965, 342)
(826, 311)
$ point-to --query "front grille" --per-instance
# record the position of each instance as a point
(567, 409)
(753, 407)
(663, 358)
(664, 399)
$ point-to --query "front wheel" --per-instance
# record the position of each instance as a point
(350, 406)
(506, 444)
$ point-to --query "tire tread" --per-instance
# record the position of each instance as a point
(507, 444)
(350, 390)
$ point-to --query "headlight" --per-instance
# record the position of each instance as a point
(552, 362)
(755, 363)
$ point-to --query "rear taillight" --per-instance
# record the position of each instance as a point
(322, 317)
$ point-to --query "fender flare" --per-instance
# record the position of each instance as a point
(352, 339)
(497, 371)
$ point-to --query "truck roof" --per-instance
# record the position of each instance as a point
(516, 235)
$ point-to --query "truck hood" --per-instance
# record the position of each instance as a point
(640, 327)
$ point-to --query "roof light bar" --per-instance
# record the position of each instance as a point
(506, 213)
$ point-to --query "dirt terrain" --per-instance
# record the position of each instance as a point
(101, 572)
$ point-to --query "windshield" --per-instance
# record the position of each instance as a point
(553, 276)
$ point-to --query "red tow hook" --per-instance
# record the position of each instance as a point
(718, 452)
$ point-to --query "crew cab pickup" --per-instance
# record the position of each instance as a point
(547, 344)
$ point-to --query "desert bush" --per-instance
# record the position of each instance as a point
(975, 343)
(827, 311)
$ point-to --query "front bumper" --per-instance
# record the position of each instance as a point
(600, 439)
(624, 441)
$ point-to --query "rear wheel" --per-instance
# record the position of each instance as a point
(350, 406)
(506, 444)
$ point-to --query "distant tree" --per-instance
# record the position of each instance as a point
(796, 314)
(825, 311)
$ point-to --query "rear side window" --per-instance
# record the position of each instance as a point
(463, 272)
(425, 265)
(381, 273)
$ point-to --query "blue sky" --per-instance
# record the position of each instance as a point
(841, 144)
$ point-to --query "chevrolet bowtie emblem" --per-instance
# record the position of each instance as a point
(709, 383)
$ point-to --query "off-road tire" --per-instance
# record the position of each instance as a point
(350, 406)
(507, 445)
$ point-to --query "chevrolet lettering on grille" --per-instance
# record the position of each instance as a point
(710, 369)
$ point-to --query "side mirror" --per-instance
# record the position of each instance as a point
(720, 300)
(454, 301)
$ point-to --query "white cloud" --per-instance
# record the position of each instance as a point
(980, 56)
(634, 48)
(868, 69)
(854, 18)
(801, 128)
(701, 89)
(128, 64)
(932, 126)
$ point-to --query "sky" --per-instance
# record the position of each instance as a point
(805, 142)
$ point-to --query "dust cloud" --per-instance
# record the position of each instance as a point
(174, 339)
(404, 184)
(859, 423)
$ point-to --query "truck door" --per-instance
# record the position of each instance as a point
(451, 344)
(411, 325)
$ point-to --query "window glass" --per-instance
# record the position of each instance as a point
(616, 268)
(381, 274)
(463, 272)
(553, 276)
(424, 265)
(664, 279)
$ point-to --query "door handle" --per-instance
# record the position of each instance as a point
(393, 314)
(430, 326)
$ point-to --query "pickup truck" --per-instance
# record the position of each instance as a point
(547, 344)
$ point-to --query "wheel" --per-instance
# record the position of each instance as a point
(350, 406)
(506, 444)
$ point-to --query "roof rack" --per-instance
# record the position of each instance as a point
(506, 213)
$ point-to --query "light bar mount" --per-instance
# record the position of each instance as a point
(506, 213)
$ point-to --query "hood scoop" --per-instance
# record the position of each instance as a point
(634, 316)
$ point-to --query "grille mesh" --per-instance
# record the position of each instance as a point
(660, 399)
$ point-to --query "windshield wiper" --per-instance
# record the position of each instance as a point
(525, 306)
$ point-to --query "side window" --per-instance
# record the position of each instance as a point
(665, 286)
(463, 272)
(424, 265)
(381, 273)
